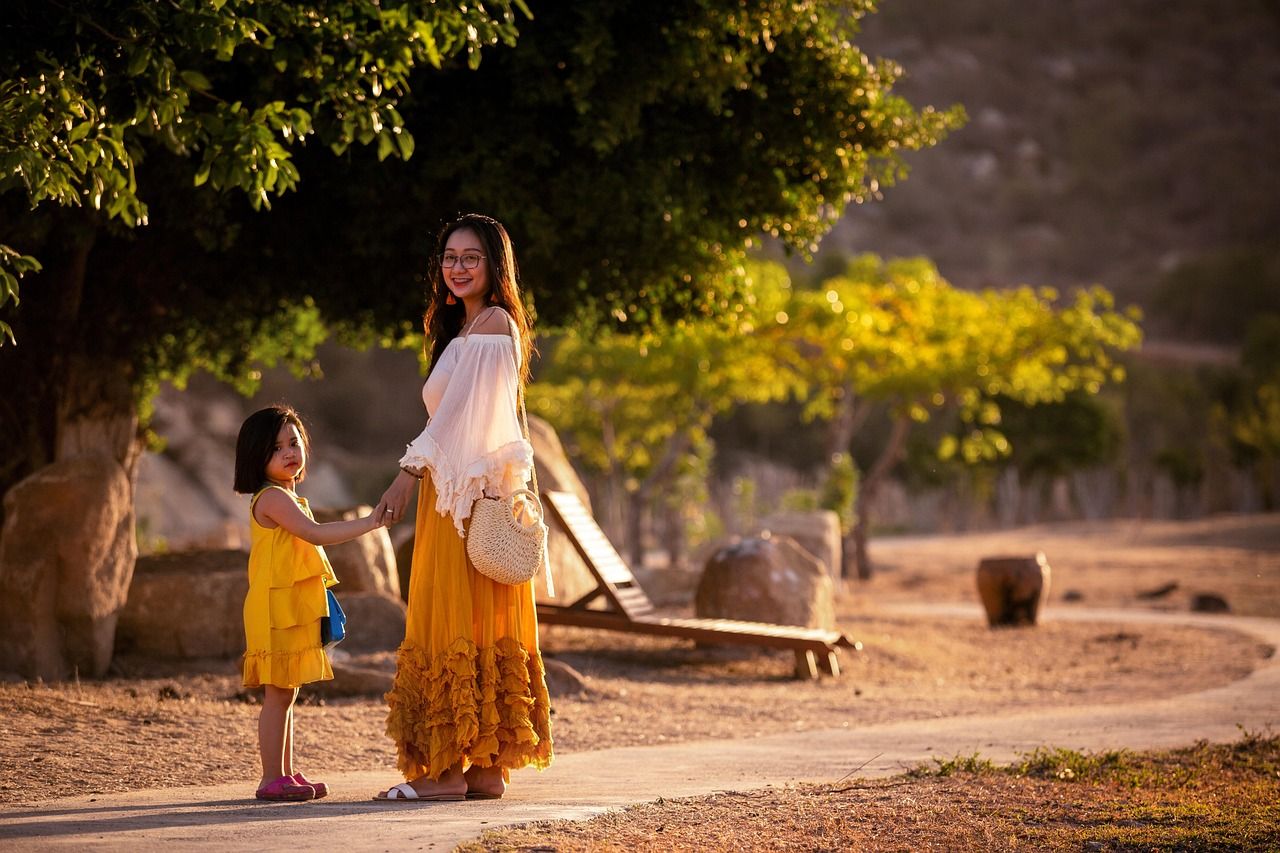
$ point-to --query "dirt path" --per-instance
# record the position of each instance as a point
(586, 784)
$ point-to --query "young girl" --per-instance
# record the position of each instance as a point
(288, 575)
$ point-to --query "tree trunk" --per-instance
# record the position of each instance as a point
(659, 475)
(63, 397)
(848, 419)
(892, 453)
(635, 529)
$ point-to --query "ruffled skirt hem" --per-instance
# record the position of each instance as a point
(286, 669)
(487, 707)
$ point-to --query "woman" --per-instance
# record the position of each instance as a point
(469, 702)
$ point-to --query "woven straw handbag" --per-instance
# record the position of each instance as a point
(507, 538)
(504, 543)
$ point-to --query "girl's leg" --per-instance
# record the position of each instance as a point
(286, 757)
(277, 703)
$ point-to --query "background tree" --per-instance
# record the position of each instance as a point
(635, 150)
(896, 335)
(113, 111)
(634, 407)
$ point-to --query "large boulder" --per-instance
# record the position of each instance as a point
(66, 558)
(767, 580)
(366, 563)
(186, 605)
(375, 620)
(555, 471)
(1013, 588)
(183, 499)
(818, 532)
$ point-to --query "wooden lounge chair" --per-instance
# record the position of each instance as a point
(628, 608)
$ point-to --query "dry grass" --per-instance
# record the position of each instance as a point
(1224, 797)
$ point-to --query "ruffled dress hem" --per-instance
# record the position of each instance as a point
(486, 707)
(286, 669)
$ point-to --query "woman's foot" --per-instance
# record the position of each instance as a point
(450, 786)
(322, 790)
(485, 783)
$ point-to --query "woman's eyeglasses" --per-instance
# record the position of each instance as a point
(469, 261)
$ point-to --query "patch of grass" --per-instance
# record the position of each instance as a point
(951, 766)
(1069, 765)
(1202, 797)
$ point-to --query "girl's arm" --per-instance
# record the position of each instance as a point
(278, 508)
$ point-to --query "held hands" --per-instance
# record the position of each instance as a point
(395, 500)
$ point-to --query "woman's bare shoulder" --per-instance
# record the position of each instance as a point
(494, 321)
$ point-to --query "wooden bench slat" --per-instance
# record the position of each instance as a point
(633, 610)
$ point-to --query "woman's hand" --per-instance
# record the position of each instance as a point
(396, 499)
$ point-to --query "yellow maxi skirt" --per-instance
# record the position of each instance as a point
(469, 682)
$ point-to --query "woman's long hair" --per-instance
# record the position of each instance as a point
(443, 321)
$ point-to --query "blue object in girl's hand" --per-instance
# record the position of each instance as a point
(334, 626)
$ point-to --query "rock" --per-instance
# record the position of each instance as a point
(1209, 602)
(767, 580)
(1158, 592)
(186, 605)
(354, 680)
(66, 558)
(818, 532)
(184, 498)
(375, 621)
(176, 513)
(366, 563)
(562, 679)
(670, 585)
(1013, 588)
(556, 473)
(1073, 595)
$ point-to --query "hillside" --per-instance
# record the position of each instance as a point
(1107, 142)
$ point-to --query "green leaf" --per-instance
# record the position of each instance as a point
(139, 60)
(196, 80)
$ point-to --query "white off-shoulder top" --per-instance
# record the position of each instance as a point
(473, 442)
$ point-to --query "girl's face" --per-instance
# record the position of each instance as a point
(289, 457)
(463, 248)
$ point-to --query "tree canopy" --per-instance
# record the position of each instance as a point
(90, 89)
(635, 150)
(889, 336)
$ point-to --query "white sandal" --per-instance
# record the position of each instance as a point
(406, 792)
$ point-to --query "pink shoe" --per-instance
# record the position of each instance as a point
(322, 790)
(286, 790)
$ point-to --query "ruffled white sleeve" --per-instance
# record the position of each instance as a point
(473, 442)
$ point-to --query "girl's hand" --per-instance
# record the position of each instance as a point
(395, 500)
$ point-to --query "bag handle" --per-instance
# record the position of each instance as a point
(533, 467)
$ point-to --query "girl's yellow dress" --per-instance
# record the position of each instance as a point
(470, 684)
(286, 600)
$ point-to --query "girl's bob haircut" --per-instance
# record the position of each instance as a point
(257, 441)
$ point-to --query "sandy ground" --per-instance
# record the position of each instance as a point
(187, 723)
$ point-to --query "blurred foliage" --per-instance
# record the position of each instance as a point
(89, 91)
(892, 334)
(1248, 410)
(1217, 296)
(896, 332)
(840, 490)
(1052, 439)
(634, 150)
(631, 405)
